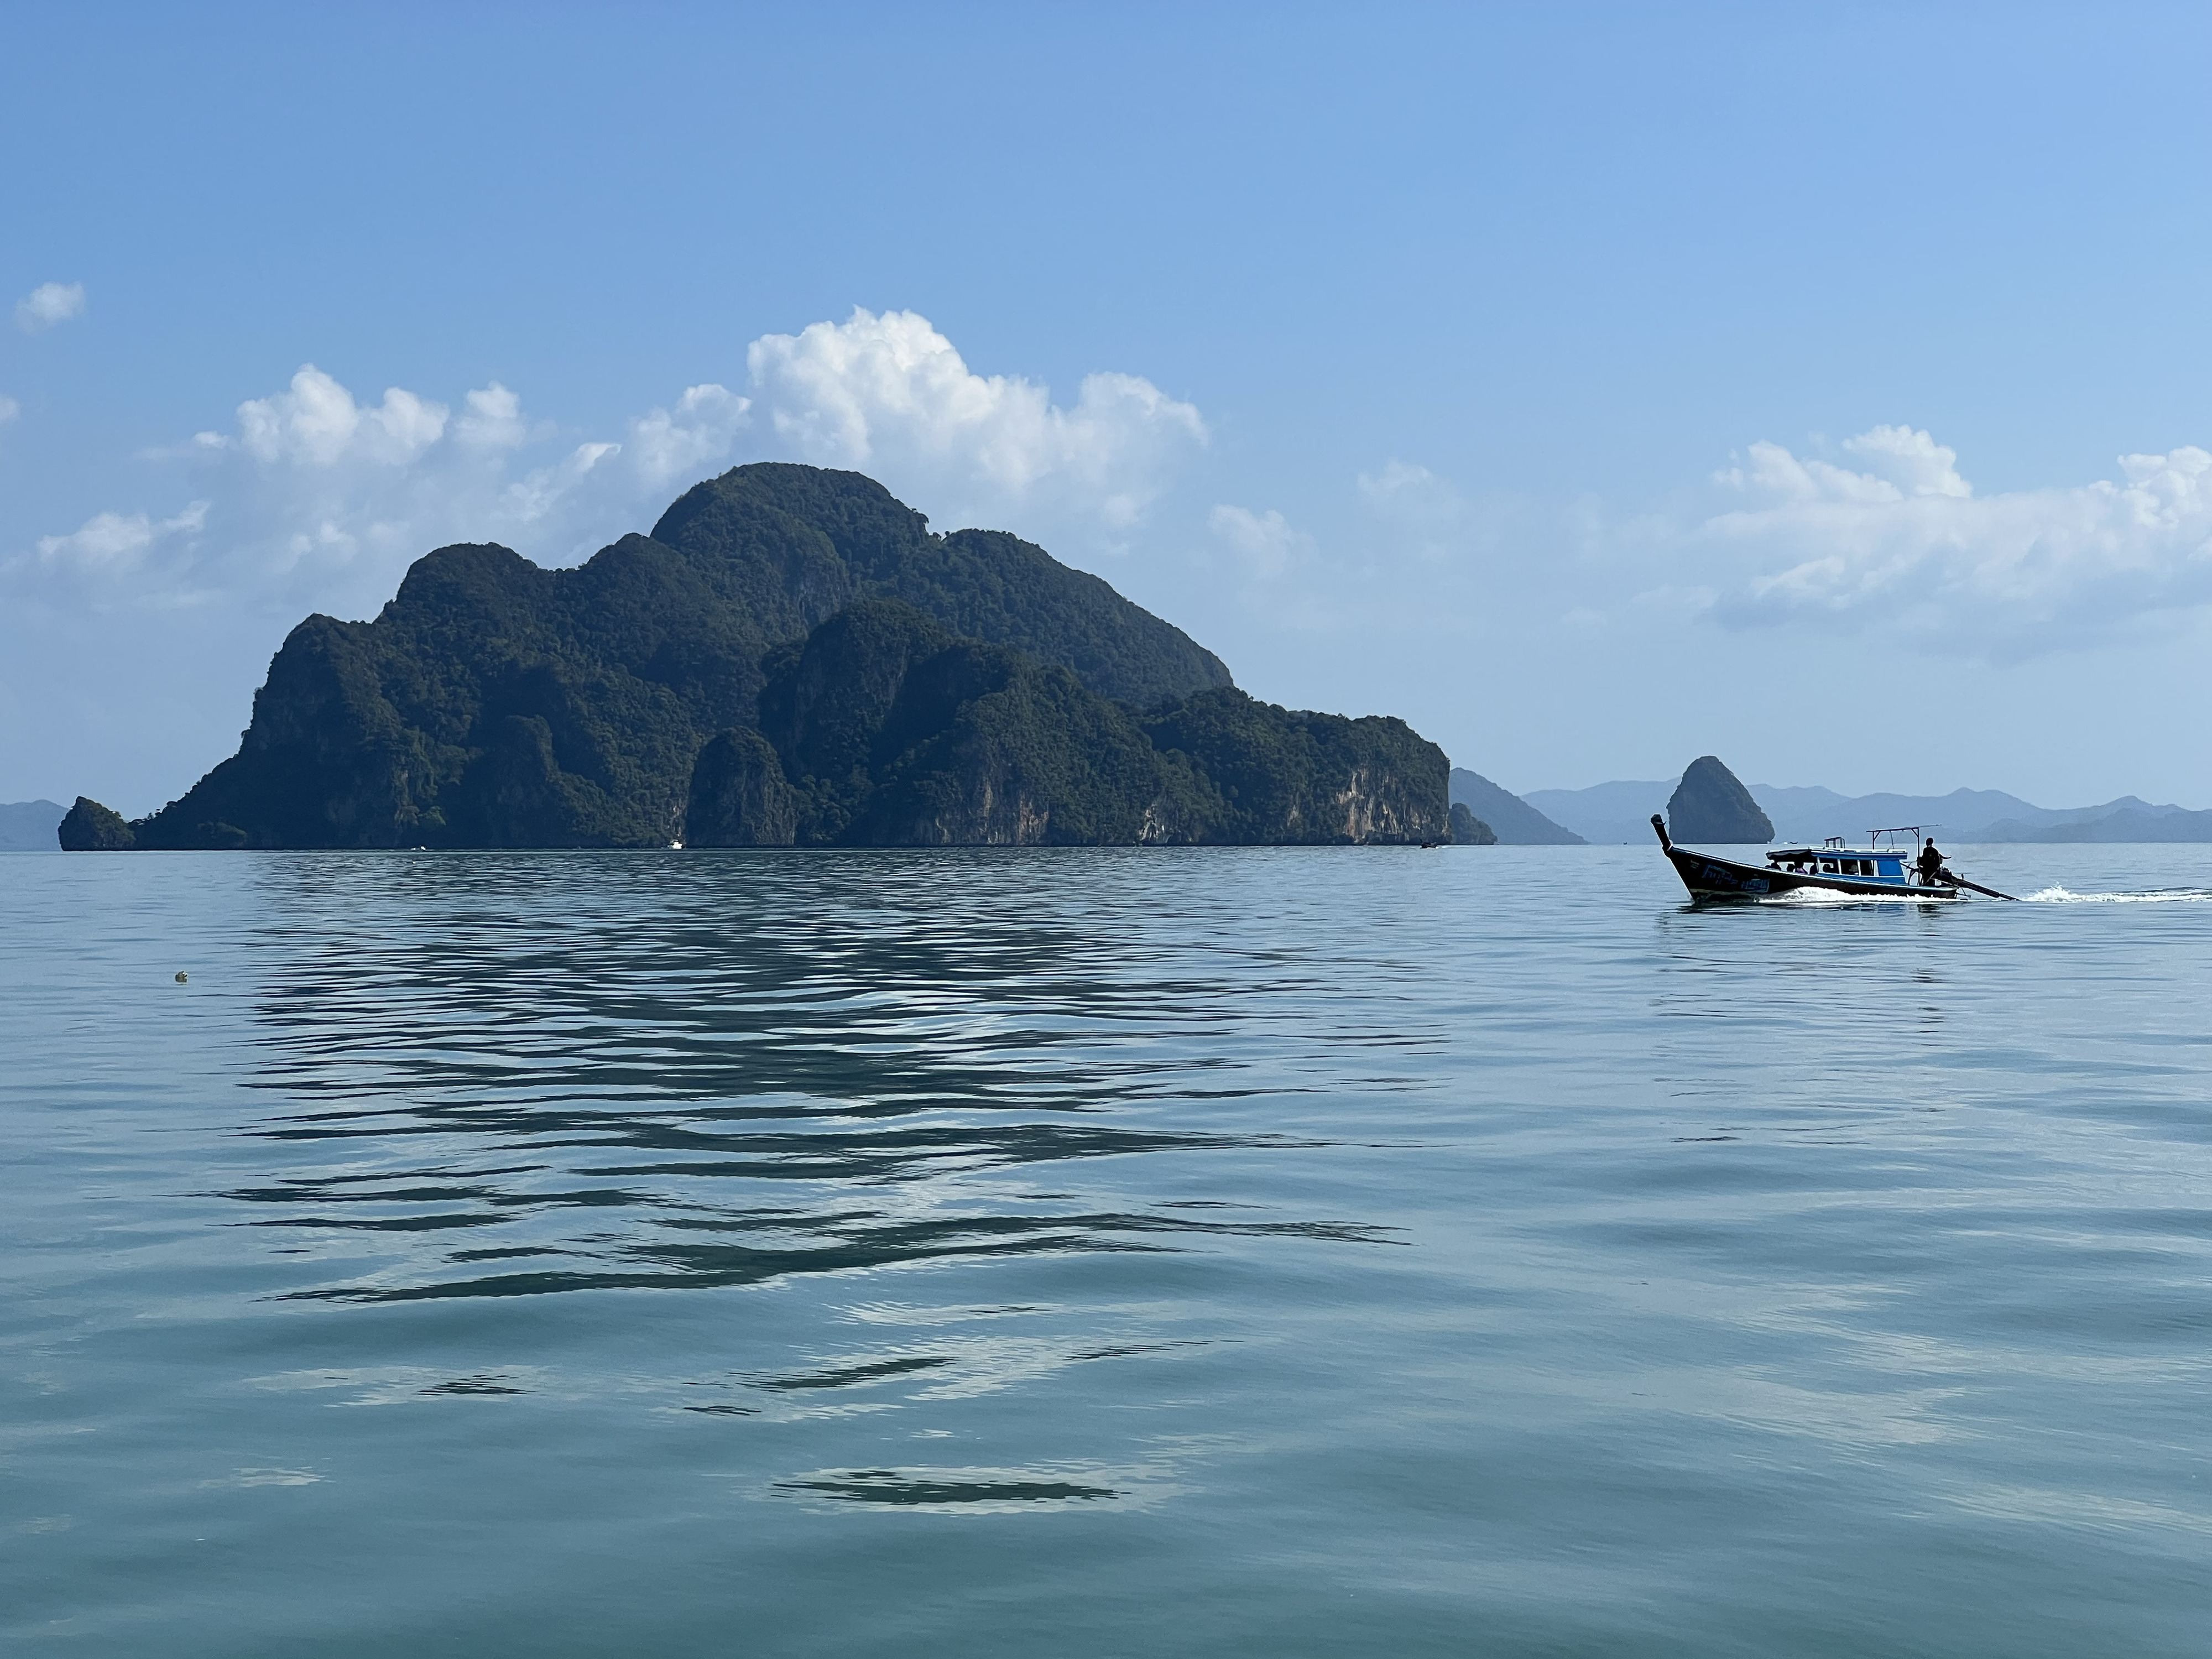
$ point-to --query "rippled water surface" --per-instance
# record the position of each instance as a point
(1297, 1251)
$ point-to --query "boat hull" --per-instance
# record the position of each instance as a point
(1709, 877)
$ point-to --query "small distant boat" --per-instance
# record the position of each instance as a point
(1887, 869)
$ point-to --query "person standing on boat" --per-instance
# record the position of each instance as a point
(1930, 864)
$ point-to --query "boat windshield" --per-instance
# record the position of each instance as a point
(1869, 864)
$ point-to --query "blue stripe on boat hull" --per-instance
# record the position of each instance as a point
(1711, 878)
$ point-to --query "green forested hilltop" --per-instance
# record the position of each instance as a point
(800, 542)
(792, 658)
(491, 703)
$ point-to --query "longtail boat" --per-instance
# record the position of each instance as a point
(1887, 869)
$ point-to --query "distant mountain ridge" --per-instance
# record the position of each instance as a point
(28, 826)
(2130, 824)
(1510, 818)
(1606, 813)
(1621, 812)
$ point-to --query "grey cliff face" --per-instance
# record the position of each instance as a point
(1377, 808)
(1710, 807)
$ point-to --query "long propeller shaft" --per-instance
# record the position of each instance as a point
(1986, 892)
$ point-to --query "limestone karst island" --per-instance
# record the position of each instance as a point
(792, 658)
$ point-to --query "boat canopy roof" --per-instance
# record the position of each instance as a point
(1775, 853)
(1836, 849)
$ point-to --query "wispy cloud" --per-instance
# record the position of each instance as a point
(113, 543)
(1279, 573)
(1883, 534)
(1422, 511)
(1265, 545)
(47, 304)
(679, 445)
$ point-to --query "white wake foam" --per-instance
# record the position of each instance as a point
(1829, 896)
(2171, 896)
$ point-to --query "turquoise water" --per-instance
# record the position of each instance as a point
(1285, 1251)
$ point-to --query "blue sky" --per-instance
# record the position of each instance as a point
(1830, 388)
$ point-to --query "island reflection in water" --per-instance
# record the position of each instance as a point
(702, 1072)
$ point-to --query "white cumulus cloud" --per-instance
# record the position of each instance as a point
(47, 304)
(322, 497)
(891, 396)
(1912, 462)
(1907, 544)
(317, 423)
(10, 409)
(1902, 464)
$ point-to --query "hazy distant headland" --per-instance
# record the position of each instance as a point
(1610, 813)
(792, 658)
(1614, 812)
(1515, 821)
(28, 825)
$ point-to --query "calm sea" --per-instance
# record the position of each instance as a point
(1120, 1252)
